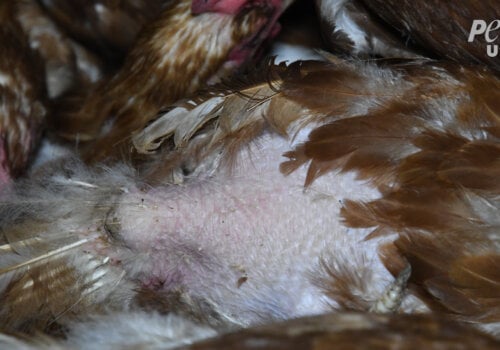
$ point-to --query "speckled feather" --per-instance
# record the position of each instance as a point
(22, 96)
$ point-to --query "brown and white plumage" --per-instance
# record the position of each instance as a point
(68, 65)
(426, 137)
(175, 56)
(409, 29)
(349, 28)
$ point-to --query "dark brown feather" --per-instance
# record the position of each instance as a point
(22, 95)
(354, 331)
(108, 27)
(442, 28)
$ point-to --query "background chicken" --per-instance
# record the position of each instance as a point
(398, 29)
(349, 28)
(176, 55)
(442, 28)
(107, 27)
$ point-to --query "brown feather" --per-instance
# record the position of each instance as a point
(432, 23)
(354, 331)
(344, 284)
(67, 64)
(107, 27)
(454, 275)
(22, 95)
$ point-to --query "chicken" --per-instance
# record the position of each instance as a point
(22, 96)
(176, 55)
(316, 187)
(307, 205)
(413, 28)
(107, 27)
(410, 131)
(68, 65)
(444, 28)
(349, 28)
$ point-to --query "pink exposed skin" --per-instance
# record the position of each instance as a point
(246, 239)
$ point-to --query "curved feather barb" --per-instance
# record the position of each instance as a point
(188, 117)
